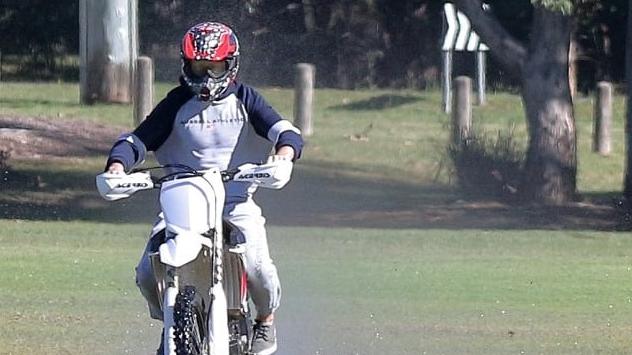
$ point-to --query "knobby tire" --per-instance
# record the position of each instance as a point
(189, 329)
(239, 328)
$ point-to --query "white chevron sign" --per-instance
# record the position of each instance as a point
(459, 35)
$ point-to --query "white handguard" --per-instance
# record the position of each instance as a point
(113, 186)
(274, 174)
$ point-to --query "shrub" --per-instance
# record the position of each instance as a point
(488, 167)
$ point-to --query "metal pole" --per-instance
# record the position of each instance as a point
(446, 79)
(480, 77)
(627, 190)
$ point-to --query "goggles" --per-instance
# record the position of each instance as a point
(214, 69)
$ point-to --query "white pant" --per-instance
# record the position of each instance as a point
(263, 281)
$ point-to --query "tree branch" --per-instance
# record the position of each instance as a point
(509, 52)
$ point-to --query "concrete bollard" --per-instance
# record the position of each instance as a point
(143, 89)
(304, 97)
(603, 119)
(462, 109)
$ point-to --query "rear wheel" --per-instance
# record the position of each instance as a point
(190, 334)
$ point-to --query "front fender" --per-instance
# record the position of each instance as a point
(182, 249)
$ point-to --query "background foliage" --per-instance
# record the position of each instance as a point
(354, 43)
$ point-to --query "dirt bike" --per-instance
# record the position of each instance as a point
(201, 279)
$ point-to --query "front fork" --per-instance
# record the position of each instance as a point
(168, 304)
(208, 266)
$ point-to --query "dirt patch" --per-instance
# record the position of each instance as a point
(37, 138)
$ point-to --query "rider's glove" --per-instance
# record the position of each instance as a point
(283, 171)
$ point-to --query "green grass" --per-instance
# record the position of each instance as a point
(69, 289)
(406, 140)
(467, 292)
(68, 280)
(62, 100)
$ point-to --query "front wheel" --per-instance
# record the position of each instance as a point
(190, 333)
(239, 329)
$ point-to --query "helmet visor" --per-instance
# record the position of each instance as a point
(214, 69)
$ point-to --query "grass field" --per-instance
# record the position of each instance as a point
(68, 289)
(407, 134)
(356, 280)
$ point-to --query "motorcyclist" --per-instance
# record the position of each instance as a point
(211, 120)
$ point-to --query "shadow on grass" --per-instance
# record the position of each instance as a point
(67, 195)
(319, 196)
(381, 102)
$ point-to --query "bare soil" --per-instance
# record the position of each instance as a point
(38, 138)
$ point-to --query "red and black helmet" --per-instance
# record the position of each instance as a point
(209, 42)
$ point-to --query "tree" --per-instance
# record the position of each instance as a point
(108, 50)
(627, 191)
(601, 39)
(551, 165)
(39, 40)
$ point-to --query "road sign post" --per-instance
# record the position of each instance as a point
(446, 80)
(460, 37)
(480, 77)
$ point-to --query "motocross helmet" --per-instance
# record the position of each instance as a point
(210, 59)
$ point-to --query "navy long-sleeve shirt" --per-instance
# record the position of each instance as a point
(239, 127)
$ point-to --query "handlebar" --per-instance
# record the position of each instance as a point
(185, 172)
(274, 174)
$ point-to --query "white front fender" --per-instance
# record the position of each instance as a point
(182, 249)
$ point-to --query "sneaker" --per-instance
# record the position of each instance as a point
(263, 339)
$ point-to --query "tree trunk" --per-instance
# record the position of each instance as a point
(572, 66)
(309, 13)
(338, 27)
(627, 190)
(604, 46)
(551, 164)
(508, 51)
(108, 50)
